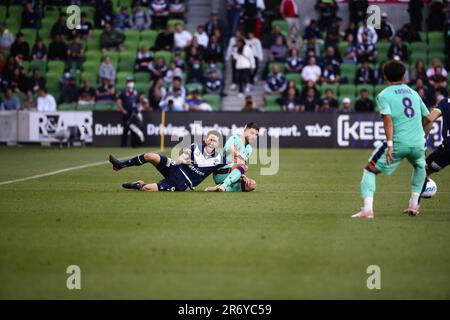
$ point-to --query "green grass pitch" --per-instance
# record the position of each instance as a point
(292, 239)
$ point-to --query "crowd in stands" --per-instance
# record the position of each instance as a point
(142, 46)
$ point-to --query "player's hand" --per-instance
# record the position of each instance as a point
(184, 160)
(125, 112)
(389, 153)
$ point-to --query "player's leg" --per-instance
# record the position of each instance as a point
(235, 175)
(417, 160)
(139, 160)
(141, 186)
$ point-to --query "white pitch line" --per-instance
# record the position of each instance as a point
(52, 173)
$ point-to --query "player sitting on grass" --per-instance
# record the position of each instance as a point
(440, 158)
(237, 152)
(193, 166)
(403, 113)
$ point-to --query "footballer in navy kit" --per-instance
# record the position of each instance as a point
(192, 167)
(440, 157)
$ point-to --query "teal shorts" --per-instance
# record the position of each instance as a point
(220, 178)
(415, 156)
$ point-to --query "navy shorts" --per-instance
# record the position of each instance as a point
(439, 158)
(173, 178)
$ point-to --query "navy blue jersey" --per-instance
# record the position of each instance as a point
(444, 107)
(202, 165)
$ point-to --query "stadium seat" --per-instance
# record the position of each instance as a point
(368, 87)
(149, 36)
(15, 12)
(30, 36)
(90, 13)
(435, 37)
(127, 56)
(3, 11)
(418, 56)
(343, 47)
(67, 107)
(55, 66)
(91, 65)
(13, 25)
(348, 90)
(348, 71)
(104, 106)
(114, 55)
(418, 47)
(213, 100)
(125, 66)
(294, 76)
(90, 75)
(87, 107)
(132, 35)
(271, 104)
(173, 22)
(122, 76)
(37, 64)
(194, 86)
(280, 64)
(93, 55)
(382, 49)
(143, 87)
(423, 36)
(93, 44)
(283, 25)
(437, 55)
(142, 77)
(167, 55)
(379, 88)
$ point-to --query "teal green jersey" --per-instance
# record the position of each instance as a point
(244, 150)
(407, 110)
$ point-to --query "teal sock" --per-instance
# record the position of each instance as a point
(368, 184)
(233, 177)
(418, 179)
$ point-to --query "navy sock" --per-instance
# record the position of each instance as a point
(136, 161)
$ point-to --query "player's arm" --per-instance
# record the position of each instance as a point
(428, 120)
(389, 130)
(185, 157)
(120, 106)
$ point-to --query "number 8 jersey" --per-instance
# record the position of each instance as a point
(407, 110)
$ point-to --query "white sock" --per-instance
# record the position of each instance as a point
(368, 204)
(414, 201)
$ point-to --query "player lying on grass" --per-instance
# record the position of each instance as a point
(237, 152)
(193, 166)
(403, 113)
(439, 158)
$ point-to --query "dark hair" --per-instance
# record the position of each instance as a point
(251, 125)
(394, 71)
(215, 133)
(363, 90)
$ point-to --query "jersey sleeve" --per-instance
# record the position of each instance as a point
(442, 105)
(383, 105)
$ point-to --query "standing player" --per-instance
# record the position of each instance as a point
(193, 166)
(403, 112)
(440, 157)
(237, 151)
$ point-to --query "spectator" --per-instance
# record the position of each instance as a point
(408, 34)
(106, 93)
(290, 13)
(86, 95)
(293, 62)
(57, 49)
(258, 54)
(178, 60)
(291, 102)
(309, 85)
(165, 40)
(111, 39)
(334, 34)
(193, 51)
(346, 105)
(69, 90)
(398, 50)
(311, 71)
(160, 13)
(358, 10)
(276, 82)
(158, 69)
(30, 17)
(436, 19)
(60, 27)
(425, 96)
(290, 84)
(312, 31)
(30, 103)
(36, 81)
(333, 58)
(107, 70)
(143, 103)
(19, 82)
(195, 103)
(45, 102)
(202, 36)
(86, 27)
(386, 31)
(365, 74)
(195, 71)
(10, 102)
(350, 55)
(249, 105)
(275, 34)
(214, 23)
(177, 9)
(103, 13)
(372, 36)
(419, 72)
(250, 13)
(332, 102)
(6, 38)
(364, 104)
(352, 29)
(438, 80)
(329, 74)
(234, 10)
(177, 86)
(75, 54)
(214, 84)
(312, 47)
(325, 107)
(20, 47)
(366, 51)
(182, 37)
(122, 20)
(311, 102)
(214, 51)
(127, 103)
(39, 51)
(278, 50)
(433, 78)
(245, 62)
(143, 59)
(327, 11)
(415, 14)
(173, 71)
(140, 18)
(156, 94)
(232, 45)
(173, 102)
